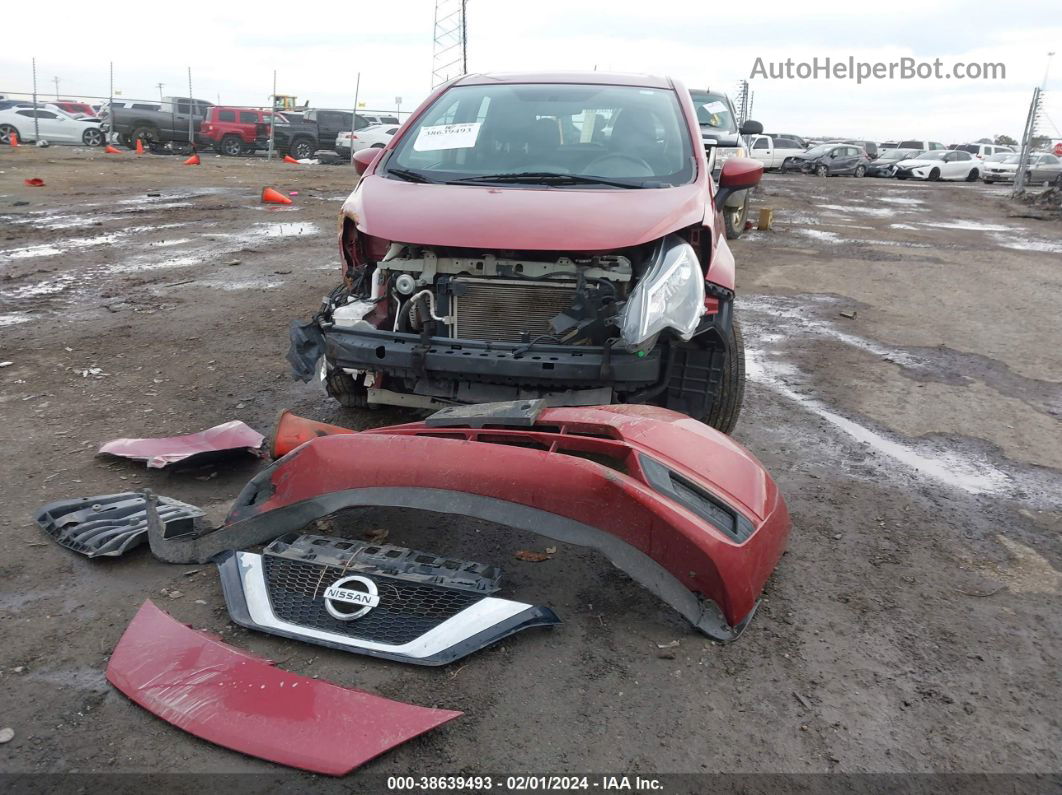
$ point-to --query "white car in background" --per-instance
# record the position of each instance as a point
(950, 164)
(375, 137)
(772, 150)
(54, 126)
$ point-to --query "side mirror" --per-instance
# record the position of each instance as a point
(751, 127)
(739, 173)
(364, 158)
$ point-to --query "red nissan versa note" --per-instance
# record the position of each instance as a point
(530, 235)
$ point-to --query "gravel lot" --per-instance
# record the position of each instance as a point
(905, 363)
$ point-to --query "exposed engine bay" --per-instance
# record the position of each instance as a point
(430, 326)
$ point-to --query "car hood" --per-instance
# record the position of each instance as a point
(525, 218)
(918, 163)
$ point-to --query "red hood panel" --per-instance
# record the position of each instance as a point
(507, 218)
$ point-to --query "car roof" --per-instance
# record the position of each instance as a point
(594, 78)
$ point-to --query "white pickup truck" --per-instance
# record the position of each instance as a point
(772, 150)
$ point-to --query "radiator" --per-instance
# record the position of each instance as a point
(507, 310)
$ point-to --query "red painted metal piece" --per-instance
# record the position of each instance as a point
(587, 468)
(239, 701)
(159, 452)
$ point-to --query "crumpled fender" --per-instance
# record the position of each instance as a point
(683, 509)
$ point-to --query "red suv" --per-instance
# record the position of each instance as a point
(538, 236)
(232, 131)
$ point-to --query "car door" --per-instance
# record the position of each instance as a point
(762, 151)
(966, 165)
(949, 167)
(48, 126)
(785, 147)
(1044, 168)
(847, 159)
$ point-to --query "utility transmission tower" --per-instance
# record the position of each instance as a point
(450, 53)
(1035, 109)
(741, 101)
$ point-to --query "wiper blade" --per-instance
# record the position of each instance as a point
(546, 178)
(409, 176)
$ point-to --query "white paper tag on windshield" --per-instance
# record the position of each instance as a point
(716, 107)
(447, 136)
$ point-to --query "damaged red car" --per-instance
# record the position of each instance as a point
(537, 236)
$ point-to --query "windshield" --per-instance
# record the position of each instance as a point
(1012, 159)
(899, 154)
(713, 111)
(936, 154)
(820, 150)
(566, 134)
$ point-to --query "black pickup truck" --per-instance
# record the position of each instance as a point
(167, 121)
(293, 137)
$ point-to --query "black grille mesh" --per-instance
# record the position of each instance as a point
(406, 610)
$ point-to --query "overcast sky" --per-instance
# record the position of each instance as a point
(317, 48)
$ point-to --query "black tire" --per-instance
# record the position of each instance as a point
(5, 134)
(302, 148)
(726, 408)
(986, 181)
(148, 135)
(231, 146)
(861, 171)
(901, 175)
(92, 137)
(724, 413)
(1058, 181)
(934, 175)
(972, 176)
(350, 394)
(734, 219)
(822, 170)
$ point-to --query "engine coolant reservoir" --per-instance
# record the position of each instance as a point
(351, 314)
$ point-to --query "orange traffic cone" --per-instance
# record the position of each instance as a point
(292, 430)
(193, 160)
(140, 146)
(290, 159)
(111, 150)
(13, 140)
(270, 196)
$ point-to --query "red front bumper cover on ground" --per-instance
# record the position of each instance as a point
(686, 511)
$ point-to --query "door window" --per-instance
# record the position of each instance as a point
(248, 117)
(761, 143)
(226, 115)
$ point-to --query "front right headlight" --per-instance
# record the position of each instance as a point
(669, 296)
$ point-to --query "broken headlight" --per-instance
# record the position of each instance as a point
(670, 295)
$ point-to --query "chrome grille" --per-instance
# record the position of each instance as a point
(505, 310)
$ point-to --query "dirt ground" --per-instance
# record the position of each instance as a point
(905, 363)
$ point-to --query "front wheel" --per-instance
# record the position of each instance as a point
(861, 171)
(734, 218)
(349, 393)
(6, 131)
(822, 170)
(934, 175)
(698, 358)
(972, 176)
(92, 137)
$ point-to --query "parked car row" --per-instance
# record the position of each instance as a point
(232, 130)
